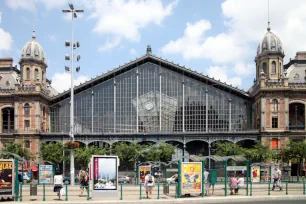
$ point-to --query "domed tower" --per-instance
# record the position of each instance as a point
(269, 58)
(33, 63)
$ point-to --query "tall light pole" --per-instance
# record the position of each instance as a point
(67, 57)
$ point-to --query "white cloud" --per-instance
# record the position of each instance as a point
(6, 41)
(109, 44)
(61, 81)
(52, 37)
(133, 51)
(124, 19)
(30, 6)
(220, 73)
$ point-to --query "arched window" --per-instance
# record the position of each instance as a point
(27, 110)
(264, 68)
(273, 67)
(28, 73)
(274, 105)
(36, 75)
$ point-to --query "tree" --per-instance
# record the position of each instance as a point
(258, 153)
(128, 153)
(17, 148)
(227, 149)
(295, 150)
(53, 152)
(162, 152)
(83, 155)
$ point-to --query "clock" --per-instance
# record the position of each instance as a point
(149, 106)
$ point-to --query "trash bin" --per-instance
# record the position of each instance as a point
(33, 190)
(166, 188)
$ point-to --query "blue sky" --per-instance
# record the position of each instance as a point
(215, 37)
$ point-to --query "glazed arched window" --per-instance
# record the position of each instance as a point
(273, 67)
(36, 75)
(28, 73)
(274, 105)
(27, 110)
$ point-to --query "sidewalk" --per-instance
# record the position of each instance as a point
(234, 199)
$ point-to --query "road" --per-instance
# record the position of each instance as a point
(277, 202)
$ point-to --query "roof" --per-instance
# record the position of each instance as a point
(218, 158)
(158, 61)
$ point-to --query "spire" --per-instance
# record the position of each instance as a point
(33, 35)
(269, 28)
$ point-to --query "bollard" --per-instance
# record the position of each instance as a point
(251, 188)
(121, 191)
(88, 192)
(44, 193)
(20, 196)
(158, 197)
(66, 199)
(140, 197)
(269, 187)
(286, 187)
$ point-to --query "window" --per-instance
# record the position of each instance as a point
(36, 75)
(273, 67)
(28, 73)
(274, 122)
(27, 110)
(26, 125)
(264, 68)
(274, 105)
(274, 143)
(27, 144)
(44, 112)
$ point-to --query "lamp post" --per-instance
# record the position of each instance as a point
(71, 69)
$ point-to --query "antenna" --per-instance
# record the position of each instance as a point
(268, 16)
(34, 17)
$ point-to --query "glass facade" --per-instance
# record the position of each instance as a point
(151, 99)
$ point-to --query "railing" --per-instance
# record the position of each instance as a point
(275, 83)
(296, 127)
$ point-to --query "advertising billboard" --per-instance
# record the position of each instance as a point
(255, 174)
(105, 173)
(191, 177)
(7, 177)
(45, 174)
(143, 171)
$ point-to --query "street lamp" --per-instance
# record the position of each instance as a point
(71, 69)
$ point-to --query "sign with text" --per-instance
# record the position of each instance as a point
(7, 178)
(46, 174)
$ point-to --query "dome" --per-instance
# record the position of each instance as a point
(270, 43)
(33, 50)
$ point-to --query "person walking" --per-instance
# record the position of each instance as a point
(206, 181)
(277, 174)
(84, 183)
(82, 173)
(58, 184)
(149, 184)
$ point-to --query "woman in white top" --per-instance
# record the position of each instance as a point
(58, 184)
(240, 182)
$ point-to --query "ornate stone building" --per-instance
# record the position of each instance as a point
(153, 100)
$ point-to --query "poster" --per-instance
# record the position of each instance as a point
(6, 177)
(45, 174)
(105, 173)
(191, 177)
(143, 171)
(255, 174)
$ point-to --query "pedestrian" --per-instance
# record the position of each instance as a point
(58, 184)
(233, 184)
(84, 183)
(149, 184)
(240, 182)
(82, 173)
(277, 178)
(206, 181)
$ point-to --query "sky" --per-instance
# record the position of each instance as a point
(215, 37)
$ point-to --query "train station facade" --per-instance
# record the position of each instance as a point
(153, 100)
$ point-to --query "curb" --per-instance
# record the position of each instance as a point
(184, 200)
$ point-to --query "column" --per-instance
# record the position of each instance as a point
(137, 89)
(16, 115)
(286, 113)
(183, 106)
(160, 100)
(230, 114)
(206, 114)
(262, 113)
(92, 111)
(115, 105)
(38, 116)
